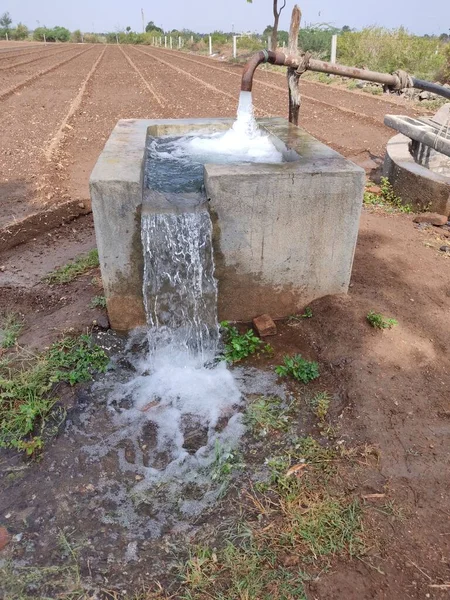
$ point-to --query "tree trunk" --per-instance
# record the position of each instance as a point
(276, 17)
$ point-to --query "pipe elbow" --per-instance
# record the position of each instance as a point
(263, 56)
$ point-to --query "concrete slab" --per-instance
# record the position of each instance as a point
(284, 234)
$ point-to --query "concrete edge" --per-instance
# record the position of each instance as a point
(425, 189)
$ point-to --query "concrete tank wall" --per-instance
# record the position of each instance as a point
(283, 234)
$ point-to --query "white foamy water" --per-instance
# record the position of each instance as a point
(244, 142)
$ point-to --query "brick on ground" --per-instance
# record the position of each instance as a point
(265, 325)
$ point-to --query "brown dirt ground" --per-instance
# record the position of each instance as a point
(393, 386)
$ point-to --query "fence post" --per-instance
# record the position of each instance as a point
(234, 46)
(269, 43)
(170, 42)
(210, 45)
(165, 41)
(292, 76)
(179, 41)
(333, 48)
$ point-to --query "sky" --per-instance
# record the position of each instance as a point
(432, 17)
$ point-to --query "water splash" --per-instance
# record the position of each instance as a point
(172, 404)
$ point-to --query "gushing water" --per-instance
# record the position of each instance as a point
(179, 389)
(180, 292)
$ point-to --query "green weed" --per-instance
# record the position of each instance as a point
(98, 302)
(307, 314)
(73, 269)
(378, 321)
(386, 50)
(387, 200)
(239, 346)
(225, 463)
(26, 388)
(11, 325)
(299, 368)
(266, 415)
(320, 404)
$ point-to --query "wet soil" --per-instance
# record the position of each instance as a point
(389, 389)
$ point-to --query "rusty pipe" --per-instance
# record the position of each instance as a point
(263, 56)
(305, 62)
(281, 59)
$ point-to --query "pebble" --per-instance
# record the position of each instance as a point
(2, 268)
(102, 322)
(445, 249)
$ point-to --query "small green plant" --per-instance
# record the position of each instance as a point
(239, 346)
(268, 414)
(74, 269)
(307, 314)
(320, 404)
(98, 302)
(10, 327)
(379, 321)
(26, 386)
(386, 199)
(299, 368)
(225, 463)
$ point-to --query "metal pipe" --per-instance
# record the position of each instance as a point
(321, 66)
(434, 88)
(263, 56)
(304, 63)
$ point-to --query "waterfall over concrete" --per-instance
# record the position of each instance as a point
(180, 292)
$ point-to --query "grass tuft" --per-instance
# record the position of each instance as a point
(73, 269)
(98, 302)
(11, 325)
(26, 388)
(295, 521)
(267, 415)
(379, 321)
(320, 404)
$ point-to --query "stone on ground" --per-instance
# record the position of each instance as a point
(431, 218)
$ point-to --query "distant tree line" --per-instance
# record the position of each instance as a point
(20, 32)
(376, 48)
